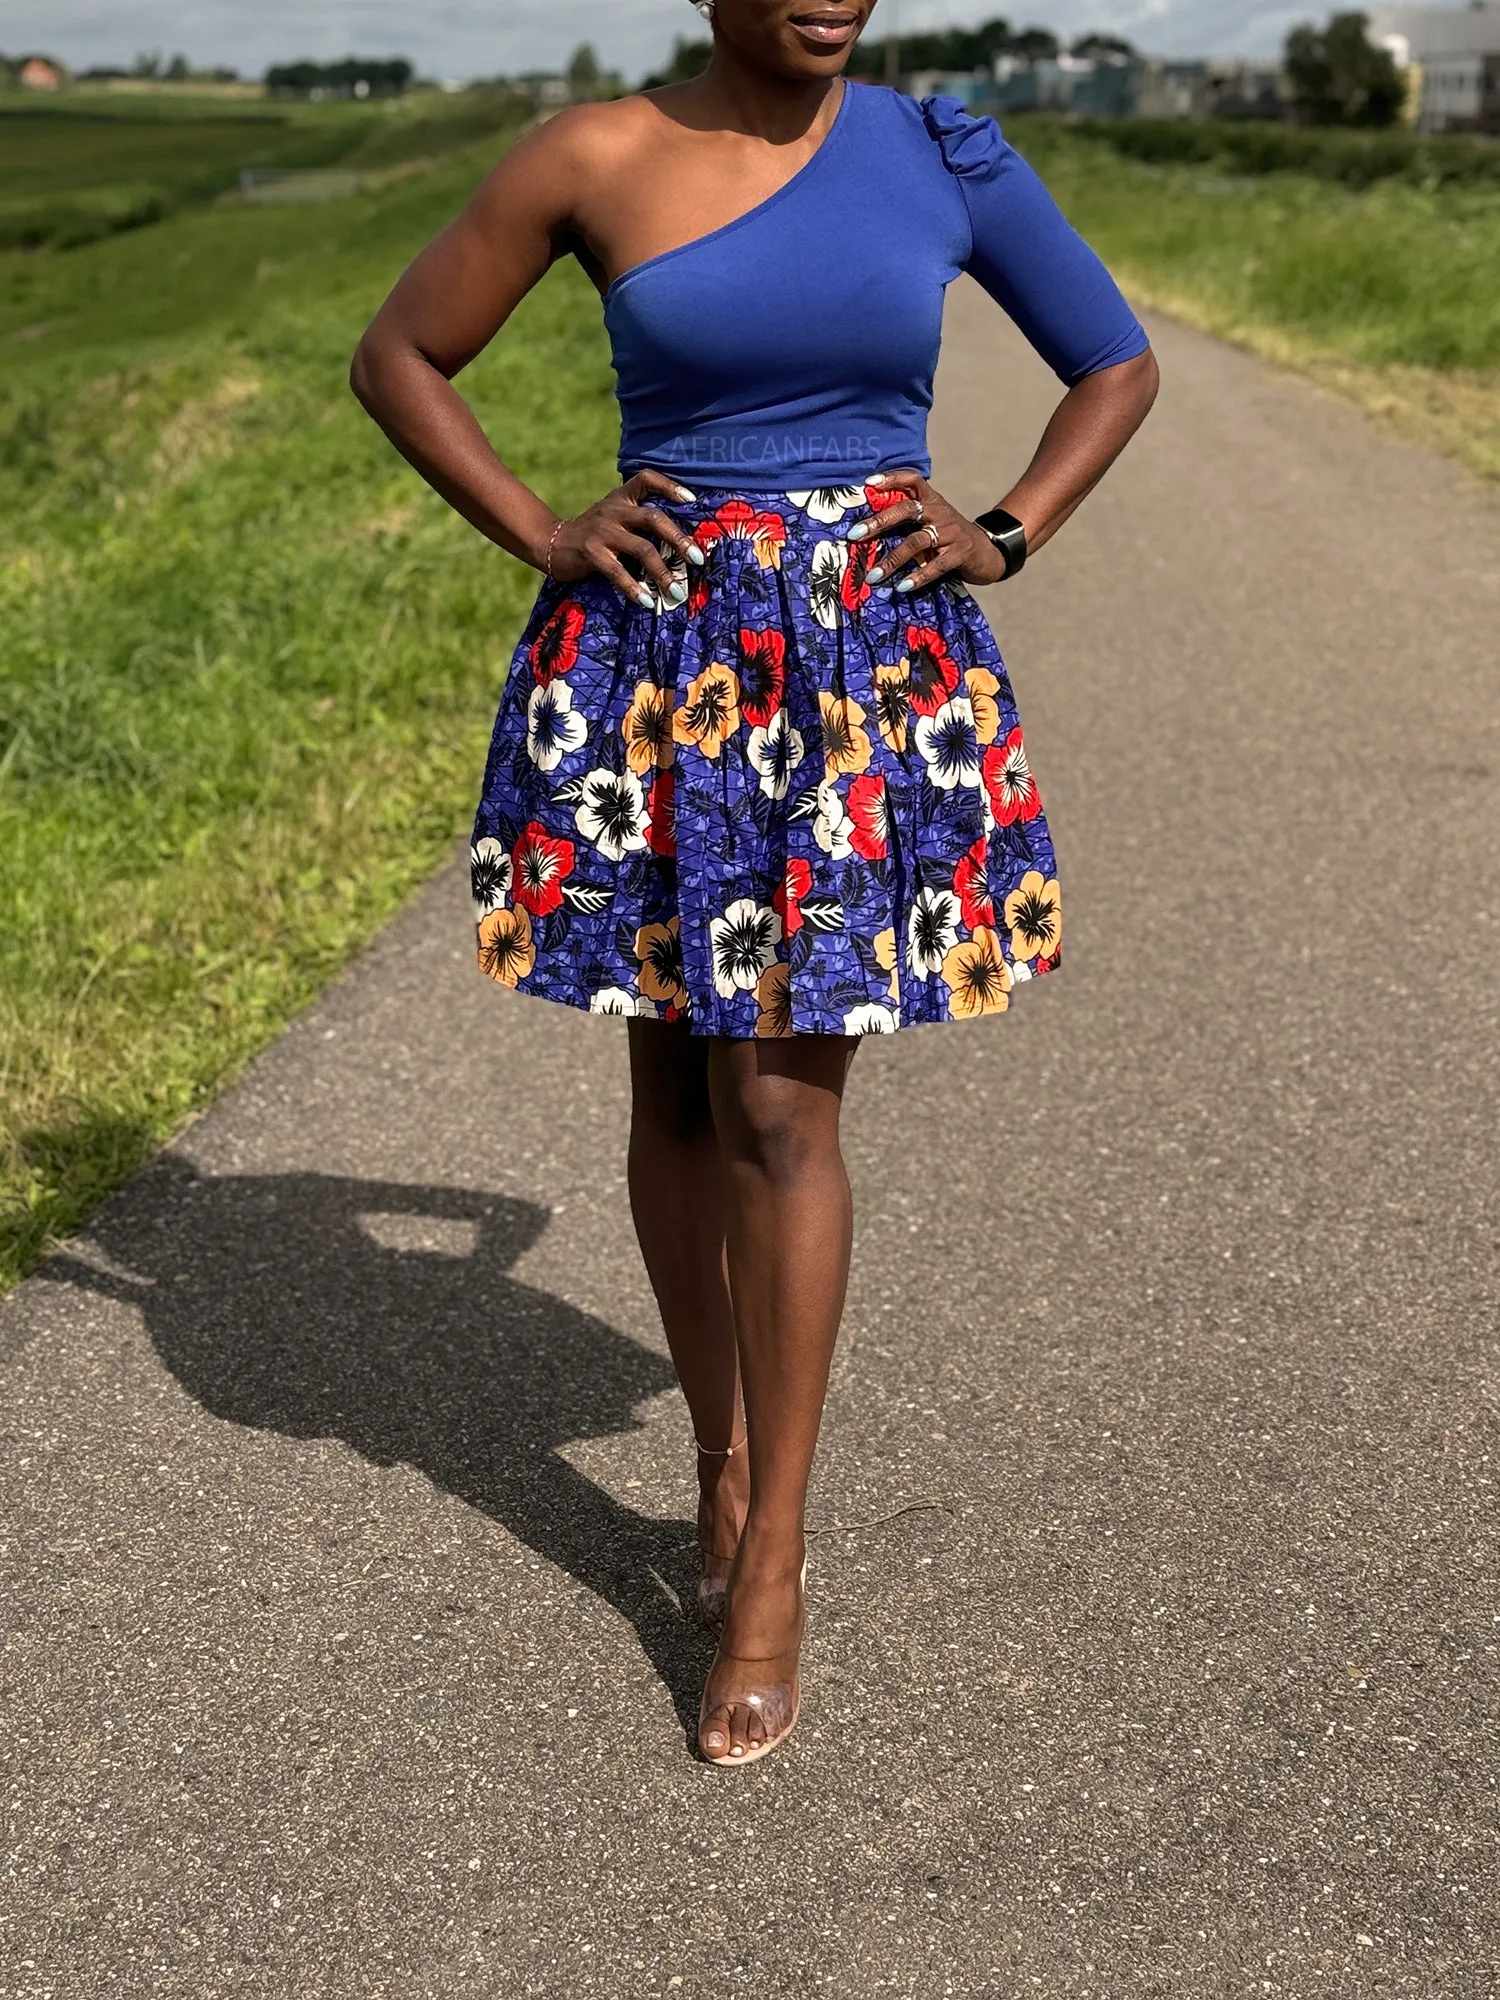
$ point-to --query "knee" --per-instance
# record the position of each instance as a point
(773, 1133)
(676, 1110)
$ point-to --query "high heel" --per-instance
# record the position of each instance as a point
(777, 1703)
(708, 1598)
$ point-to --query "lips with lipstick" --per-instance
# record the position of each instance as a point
(825, 27)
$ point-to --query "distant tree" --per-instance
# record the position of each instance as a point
(689, 59)
(1095, 44)
(147, 63)
(583, 71)
(177, 70)
(1337, 76)
(387, 77)
(1038, 43)
(942, 48)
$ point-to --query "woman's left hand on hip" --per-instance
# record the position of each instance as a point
(942, 542)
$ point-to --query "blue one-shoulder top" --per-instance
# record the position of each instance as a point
(796, 346)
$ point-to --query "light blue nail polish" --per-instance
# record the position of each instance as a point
(858, 532)
(678, 593)
(696, 555)
(876, 575)
(684, 494)
(644, 597)
(904, 584)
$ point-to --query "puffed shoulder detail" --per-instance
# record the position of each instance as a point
(972, 148)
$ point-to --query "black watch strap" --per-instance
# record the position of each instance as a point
(1009, 537)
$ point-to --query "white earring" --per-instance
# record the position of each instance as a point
(705, 8)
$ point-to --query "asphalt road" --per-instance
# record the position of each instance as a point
(347, 1495)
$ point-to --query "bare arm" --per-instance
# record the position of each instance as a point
(1087, 431)
(446, 308)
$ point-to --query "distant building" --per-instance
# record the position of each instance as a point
(1460, 94)
(38, 74)
(1451, 60)
(1168, 89)
(1245, 90)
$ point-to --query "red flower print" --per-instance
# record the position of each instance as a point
(866, 808)
(934, 671)
(738, 521)
(541, 864)
(762, 674)
(787, 900)
(555, 648)
(878, 498)
(661, 812)
(972, 888)
(853, 589)
(1008, 780)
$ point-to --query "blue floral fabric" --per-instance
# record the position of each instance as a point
(794, 804)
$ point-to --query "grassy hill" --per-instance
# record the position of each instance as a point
(247, 663)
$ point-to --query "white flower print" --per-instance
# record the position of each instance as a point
(949, 744)
(617, 1000)
(677, 570)
(871, 1020)
(775, 751)
(489, 875)
(832, 826)
(553, 728)
(1019, 971)
(931, 928)
(612, 812)
(828, 503)
(744, 942)
(825, 575)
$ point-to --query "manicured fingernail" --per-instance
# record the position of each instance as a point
(678, 593)
(696, 555)
(904, 584)
(645, 597)
(858, 532)
(876, 479)
(875, 575)
(684, 493)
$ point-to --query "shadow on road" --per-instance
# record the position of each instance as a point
(384, 1315)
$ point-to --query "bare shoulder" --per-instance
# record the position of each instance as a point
(591, 142)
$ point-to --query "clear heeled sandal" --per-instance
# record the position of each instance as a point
(775, 1703)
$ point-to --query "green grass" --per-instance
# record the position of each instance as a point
(1387, 293)
(248, 663)
(90, 164)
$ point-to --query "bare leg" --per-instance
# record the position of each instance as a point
(789, 1226)
(677, 1199)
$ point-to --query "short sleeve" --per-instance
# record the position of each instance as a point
(1026, 254)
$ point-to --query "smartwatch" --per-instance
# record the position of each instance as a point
(1009, 537)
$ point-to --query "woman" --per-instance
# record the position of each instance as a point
(757, 780)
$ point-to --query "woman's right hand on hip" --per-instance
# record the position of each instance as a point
(618, 529)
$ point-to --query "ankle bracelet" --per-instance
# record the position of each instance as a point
(724, 1451)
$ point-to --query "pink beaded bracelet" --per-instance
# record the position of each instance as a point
(551, 545)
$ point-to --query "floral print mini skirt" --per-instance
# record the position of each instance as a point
(794, 804)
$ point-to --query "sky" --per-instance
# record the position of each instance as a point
(466, 38)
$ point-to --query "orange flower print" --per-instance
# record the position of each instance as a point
(893, 703)
(983, 687)
(1033, 916)
(773, 990)
(976, 975)
(506, 951)
(710, 711)
(647, 729)
(659, 949)
(883, 944)
(846, 747)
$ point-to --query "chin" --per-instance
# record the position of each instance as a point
(789, 41)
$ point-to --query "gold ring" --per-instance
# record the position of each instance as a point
(937, 540)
